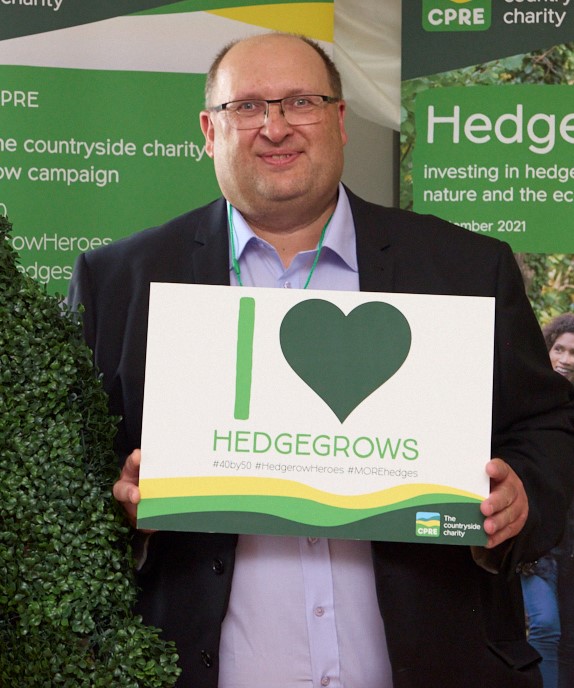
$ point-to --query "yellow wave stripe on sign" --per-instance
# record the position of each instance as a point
(273, 487)
(313, 19)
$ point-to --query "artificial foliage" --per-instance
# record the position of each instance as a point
(549, 280)
(66, 571)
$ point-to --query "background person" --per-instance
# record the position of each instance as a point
(548, 584)
(559, 338)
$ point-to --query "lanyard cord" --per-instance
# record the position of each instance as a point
(235, 262)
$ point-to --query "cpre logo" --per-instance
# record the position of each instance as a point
(428, 524)
(457, 15)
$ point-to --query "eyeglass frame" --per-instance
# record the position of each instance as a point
(327, 100)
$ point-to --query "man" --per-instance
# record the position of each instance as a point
(268, 611)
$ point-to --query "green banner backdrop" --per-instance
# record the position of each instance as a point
(487, 142)
(488, 118)
(99, 106)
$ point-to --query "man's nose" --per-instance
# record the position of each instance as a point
(275, 125)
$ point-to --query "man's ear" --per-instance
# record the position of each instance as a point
(208, 131)
(341, 112)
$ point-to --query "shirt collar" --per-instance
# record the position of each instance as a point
(339, 237)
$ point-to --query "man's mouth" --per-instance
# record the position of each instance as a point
(279, 158)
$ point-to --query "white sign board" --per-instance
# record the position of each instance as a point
(327, 413)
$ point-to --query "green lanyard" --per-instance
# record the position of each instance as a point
(235, 262)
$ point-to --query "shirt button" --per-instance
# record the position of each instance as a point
(319, 611)
(287, 285)
(312, 540)
(218, 566)
(206, 659)
(325, 681)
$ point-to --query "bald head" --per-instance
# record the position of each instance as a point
(268, 39)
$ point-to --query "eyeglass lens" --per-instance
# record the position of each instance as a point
(297, 110)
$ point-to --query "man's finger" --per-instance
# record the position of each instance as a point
(126, 492)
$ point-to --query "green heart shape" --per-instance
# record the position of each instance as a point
(344, 358)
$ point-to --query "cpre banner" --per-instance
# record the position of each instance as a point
(99, 114)
(488, 118)
(487, 142)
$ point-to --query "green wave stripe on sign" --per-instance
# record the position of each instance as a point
(396, 526)
(291, 508)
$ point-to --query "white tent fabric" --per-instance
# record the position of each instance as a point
(367, 50)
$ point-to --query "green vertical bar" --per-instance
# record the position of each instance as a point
(244, 361)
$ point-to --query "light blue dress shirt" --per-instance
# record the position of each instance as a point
(303, 611)
(261, 265)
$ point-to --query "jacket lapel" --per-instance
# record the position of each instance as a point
(210, 258)
(376, 267)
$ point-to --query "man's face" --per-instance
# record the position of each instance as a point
(562, 355)
(277, 167)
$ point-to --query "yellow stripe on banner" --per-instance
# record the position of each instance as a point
(273, 487)
(313, 19)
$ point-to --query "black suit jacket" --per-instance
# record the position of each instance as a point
(449, 622)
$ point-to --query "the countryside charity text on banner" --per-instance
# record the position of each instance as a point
(487, 133)
(99, 111)
(323, 413)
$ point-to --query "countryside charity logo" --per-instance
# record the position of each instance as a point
(457, 15)
(428, 524)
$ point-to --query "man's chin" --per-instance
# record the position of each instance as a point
(278, 193)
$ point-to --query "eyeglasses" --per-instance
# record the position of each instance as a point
(252, 114)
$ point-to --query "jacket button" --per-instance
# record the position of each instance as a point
(218, 566)
(206, 658)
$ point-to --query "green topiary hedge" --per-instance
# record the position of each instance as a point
(66, 582)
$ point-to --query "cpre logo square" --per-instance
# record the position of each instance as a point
(457, 15)
(428, 524)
